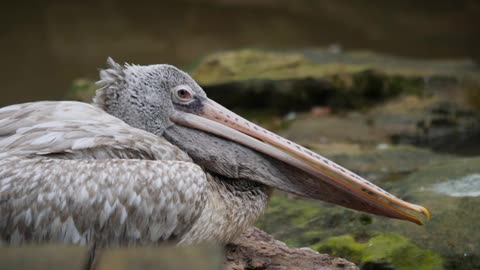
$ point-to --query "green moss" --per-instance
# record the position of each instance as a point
(297, 212)
(288, 219)
(257, 64)
(300, 222)
(250, 64)
(384, 248)
(245, 64)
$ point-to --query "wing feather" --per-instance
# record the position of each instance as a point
(72, 173)
(79, 129)
(106, 201)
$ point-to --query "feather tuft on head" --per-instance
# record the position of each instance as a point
(113, 74)
(110, 80)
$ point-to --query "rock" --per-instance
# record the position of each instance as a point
(388, 162)
(383, 250)
(300, 222)
(299, 80)
(449, 188)
(248, 64)
(451, 191)
(256, 249)
(442, 123)
(352, 128)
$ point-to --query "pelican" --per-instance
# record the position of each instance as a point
(154, 160)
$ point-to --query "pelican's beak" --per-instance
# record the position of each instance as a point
(353, 191)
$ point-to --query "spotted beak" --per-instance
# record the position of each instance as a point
(340, 185)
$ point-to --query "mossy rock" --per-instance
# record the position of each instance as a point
(449, 188)
(445, 123)
(297, 80)
(248, 64)
(386, 249)
(389, 162)
(301, 222)
(451, 191)
(382, 162)
(442, 123)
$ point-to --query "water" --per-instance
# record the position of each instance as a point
(467, 186)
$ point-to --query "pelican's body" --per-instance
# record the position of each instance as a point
(70, 172)
(155, 160)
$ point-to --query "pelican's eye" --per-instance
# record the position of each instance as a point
(183, 94)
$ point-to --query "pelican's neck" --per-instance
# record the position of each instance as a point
(233, 205)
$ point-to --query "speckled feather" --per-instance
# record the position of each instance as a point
(109, 202)
(65, 127)
(69, 172)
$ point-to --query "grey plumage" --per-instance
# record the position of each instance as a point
(108, 202)
(69, 172)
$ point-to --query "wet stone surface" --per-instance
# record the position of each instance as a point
(448, 188)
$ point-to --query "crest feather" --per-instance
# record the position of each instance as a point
(110, 79)
(113, 74)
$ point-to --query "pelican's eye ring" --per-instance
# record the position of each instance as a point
(182, 94)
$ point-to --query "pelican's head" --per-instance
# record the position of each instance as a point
(166, 101)
(147, 97)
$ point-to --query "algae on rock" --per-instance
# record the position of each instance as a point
(387, 249)
(298, 80)
(250, 64)
(452, 232)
